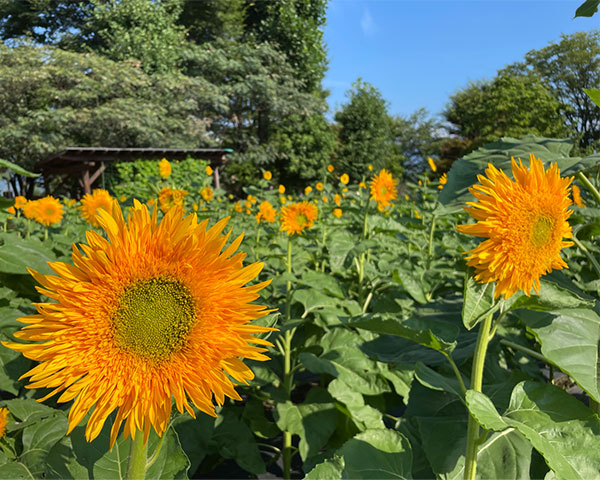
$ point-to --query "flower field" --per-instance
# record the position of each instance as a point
(359, 328)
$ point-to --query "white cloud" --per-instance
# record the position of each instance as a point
(367, 23)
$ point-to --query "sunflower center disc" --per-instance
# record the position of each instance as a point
(154, 318)
(301, 219)
(542, 228)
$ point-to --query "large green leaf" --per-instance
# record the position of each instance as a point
(364, 416)
(17, 169)
(372, 454)
(412, 283)
(314, 421)
(423, 336)
(478, 301)
(339, 244)
(16, 254)
(587, 9)
(559, 427)
(570, 338)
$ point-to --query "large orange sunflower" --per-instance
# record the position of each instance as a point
(90, 203)
(153, 311)
(383, 188)
(48, 211)
(298, 216)
(524, 222)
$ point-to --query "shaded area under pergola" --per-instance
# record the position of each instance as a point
(87, 163)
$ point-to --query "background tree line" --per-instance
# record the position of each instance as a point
(248, 75)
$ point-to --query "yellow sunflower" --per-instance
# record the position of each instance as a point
(330, 168)
(383, 188)
(298, 216)
(307, 190)
(266, 212)
(576, 193)
(281, 189)
(169, 198)
(48, 211)
(3, 420)
(344, 178)
(337, 199)
(91, 203)
(432, 164)
(207, 194)
(20, 201)
(164, 168)
(443, 181)
(29, 209)
(153, 311)
(523, 221)
(267, 175)
(319, 186)
(337, 212)
(208, 170)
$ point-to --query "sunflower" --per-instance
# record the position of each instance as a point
(3, 420)
(432, 164)
(152, 311)
(319, 186)
(164, 168)
(267, 175)
(20, 201)
(207, 194)
(208, 170)
(266, 212)
(298, 216)
(383, 188)
(523, 221)
(91, 203)
(337, 199)
(337, 212)
(307, 190)
(443, 181)
(576, 193)
(48, 211)
(330, 168)
(344, 178)
(169, 198)
(281, 189)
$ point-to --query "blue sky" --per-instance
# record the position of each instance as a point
(419, 52)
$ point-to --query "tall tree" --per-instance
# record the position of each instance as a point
(365, 130)
(509, 105)
(566, 68)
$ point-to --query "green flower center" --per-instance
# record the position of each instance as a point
(154, 318)
(301, 219)
(542, 229)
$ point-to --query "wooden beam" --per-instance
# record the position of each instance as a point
(97, 173)
(86, 181)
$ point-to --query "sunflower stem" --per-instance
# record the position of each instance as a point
(138, 451)
(589, 186)
(431, 232)
(483, 339)
(361, 269)
(288, 373)
(456, 372)
(587, 253)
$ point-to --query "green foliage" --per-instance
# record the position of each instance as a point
(509, 105)
(587, 8)
(365, 131)
(567, 68)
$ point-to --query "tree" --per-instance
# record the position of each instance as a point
(509, 105)
(52, 98)
(416, 137)
(365, 131)
(566, 68)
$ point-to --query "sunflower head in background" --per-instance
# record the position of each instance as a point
(91, 203)
(383, 188)
(154, 311)
(297, 217)
(524, 223)
(48, 211)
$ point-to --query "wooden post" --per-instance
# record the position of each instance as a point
(87, 186)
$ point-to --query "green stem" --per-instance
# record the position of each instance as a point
(483, 339)
(431, 232)
(361, 262)
(136, 468)
(288, 373)
(525, 350)
(587, 253)
(456, 372)
(589, 186)
(154, 456)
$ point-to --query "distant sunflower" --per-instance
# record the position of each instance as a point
(267, 175)
(297, 217)
(383, 188)
(153, 311)
(207, 194)
(20, 201)
(307, 190)
(345, 178)
(48, 211)
(337, 212)
(432, 164)
(169, 198)
(576, 193)
(330, 168)
(443, 181)
(208, 170)
(164, 168)
(91, 203)
(266, 212)
(3, 420)
(523, 221)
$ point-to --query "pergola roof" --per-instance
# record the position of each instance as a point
(88, 163)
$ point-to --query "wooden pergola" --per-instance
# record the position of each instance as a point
(88, 163)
